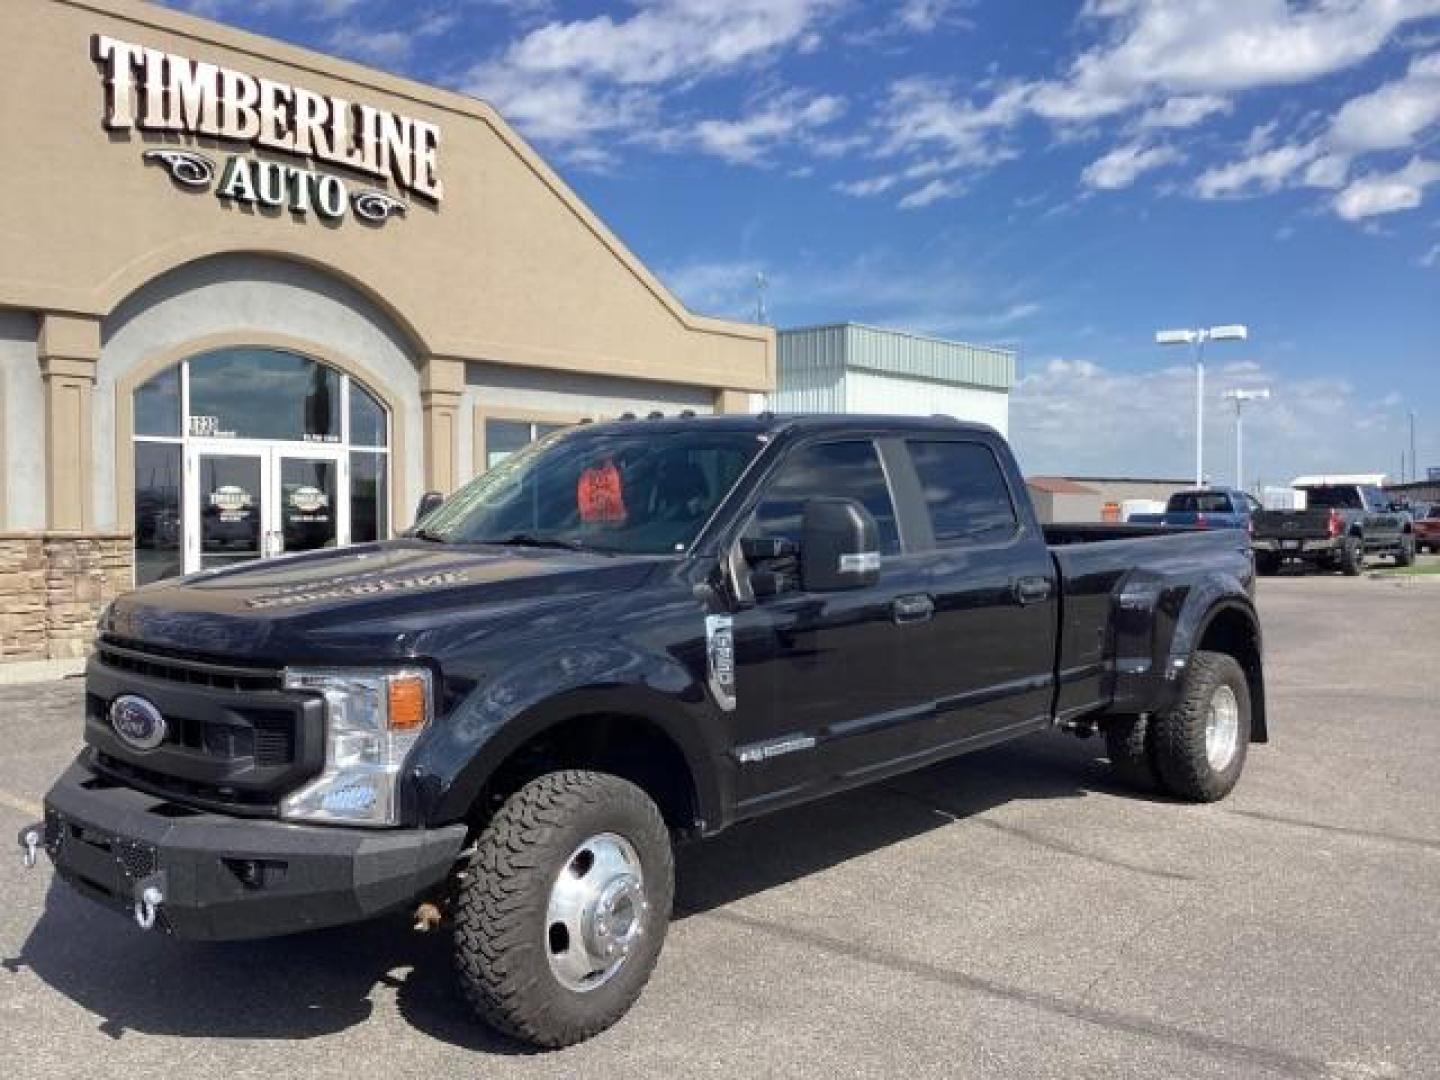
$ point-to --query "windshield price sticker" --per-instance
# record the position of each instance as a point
(599, 496)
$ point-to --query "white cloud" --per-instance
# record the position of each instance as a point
(1431, 259)
(1265, 171)
(1122, 166)
(746, 140)
(1387, 193)
(1185, 111)
(568, 82)
(922, 16)
(390, 47)
(874, 185)
(1217, 47)
(1393, 116)
(1078, 417)
(932, 192)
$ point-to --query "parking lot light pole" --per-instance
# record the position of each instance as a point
(1197, 339)
(1239, 397)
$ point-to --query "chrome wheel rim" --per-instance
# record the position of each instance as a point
(596, 913)
(1222, 728)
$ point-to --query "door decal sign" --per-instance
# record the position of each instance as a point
(308, 499)
(232, 501)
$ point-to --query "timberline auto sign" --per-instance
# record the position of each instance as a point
(155, 91)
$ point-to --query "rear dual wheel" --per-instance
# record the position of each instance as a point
(1195, 750)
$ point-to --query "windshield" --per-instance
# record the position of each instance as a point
(635, 491)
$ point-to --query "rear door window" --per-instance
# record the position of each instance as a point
(1333, 498)
(833, 469)
(965, 491)
(1200, 502)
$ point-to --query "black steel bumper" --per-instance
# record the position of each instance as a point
(224, 878)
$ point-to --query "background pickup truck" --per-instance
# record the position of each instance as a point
(1427, 529)
(629, 633)
(1204, 508)
(1340, 526)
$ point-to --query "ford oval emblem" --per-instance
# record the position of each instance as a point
(137, 721)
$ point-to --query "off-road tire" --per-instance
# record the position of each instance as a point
(1266, 564)
(1352, 556)
(1129, 746)
(500, 912)
(1179, 733)
(1405, 554)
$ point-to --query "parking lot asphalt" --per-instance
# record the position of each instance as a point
(1008, 914)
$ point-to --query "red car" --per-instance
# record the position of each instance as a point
(1427, 530)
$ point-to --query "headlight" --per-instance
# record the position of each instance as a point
(373, 718)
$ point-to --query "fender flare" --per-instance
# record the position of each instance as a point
(1195, 622)
(496, 719)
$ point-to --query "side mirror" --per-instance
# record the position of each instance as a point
(839, 546)
(429, 503)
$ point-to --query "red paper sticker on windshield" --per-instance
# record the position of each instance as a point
(599, 497)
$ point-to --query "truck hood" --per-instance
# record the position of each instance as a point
(372, 602)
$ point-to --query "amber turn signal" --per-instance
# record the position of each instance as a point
(407, 702)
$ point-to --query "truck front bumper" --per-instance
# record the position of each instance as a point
(221, 878)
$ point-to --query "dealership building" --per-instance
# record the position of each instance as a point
(258, 300)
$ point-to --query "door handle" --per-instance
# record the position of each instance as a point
(912, 609)
(1030, 590)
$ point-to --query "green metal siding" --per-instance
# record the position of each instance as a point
(811, 370)
(914, 356)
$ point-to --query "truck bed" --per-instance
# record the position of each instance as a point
(1114, 582)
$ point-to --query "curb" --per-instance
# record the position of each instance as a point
(38, 671)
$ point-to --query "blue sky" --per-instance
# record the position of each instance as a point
(1063, 177)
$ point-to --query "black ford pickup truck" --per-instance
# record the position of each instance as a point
(629, 633)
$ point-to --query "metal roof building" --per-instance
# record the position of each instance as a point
(850, 367)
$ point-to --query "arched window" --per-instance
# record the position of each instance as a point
(247, 452)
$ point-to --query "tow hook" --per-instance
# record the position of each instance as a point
(31, 837)
(149, 896)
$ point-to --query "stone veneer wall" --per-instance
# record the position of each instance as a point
(53, 586)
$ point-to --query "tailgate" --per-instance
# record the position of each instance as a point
(1291, 524)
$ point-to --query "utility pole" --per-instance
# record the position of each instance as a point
(1239, 397)
(1414, 461)
(1197, 339)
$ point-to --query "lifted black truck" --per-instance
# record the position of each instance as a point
(630, 633)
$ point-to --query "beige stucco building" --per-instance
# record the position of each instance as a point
(255, 299)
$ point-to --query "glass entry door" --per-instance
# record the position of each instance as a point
(252, 502)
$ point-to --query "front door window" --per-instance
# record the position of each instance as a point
(246, 453)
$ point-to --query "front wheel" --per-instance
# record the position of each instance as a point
(1201, 743)
(1405, 556)
(560, 920)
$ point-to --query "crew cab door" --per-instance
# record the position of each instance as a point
(813, 669)
(988, 657)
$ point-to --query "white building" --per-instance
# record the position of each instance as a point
(853, 368)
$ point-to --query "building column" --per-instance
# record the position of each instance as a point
(442, 382)
(69, 351)
(732, 401)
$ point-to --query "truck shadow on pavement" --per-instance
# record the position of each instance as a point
(317, 984)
